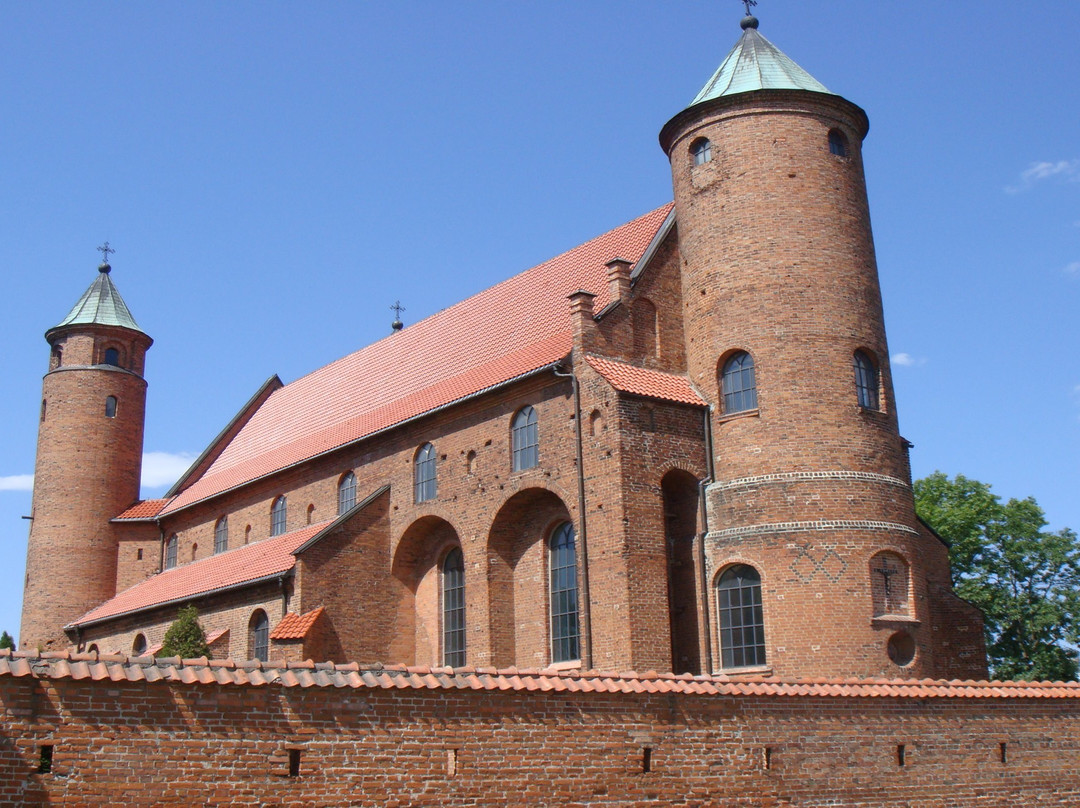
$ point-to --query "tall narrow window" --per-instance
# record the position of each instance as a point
(837, 143)
(221, 535)
(525, 439)
(424, 473)
(866, 381)
(138, 646)
(278, 512)
(739, 384)
(453, 599)
(702, 151)
(112, 357)
(259, 636)
(564, 595)
(740, 617)
(346, 492)
(171, 545)
(110, 407)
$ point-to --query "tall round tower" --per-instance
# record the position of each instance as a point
(817, 564)
(89, 460)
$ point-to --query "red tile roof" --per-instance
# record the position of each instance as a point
(643, 382)
(102, 667)
(295, 626)
(143, 509)
(508, 331)
(263, 559)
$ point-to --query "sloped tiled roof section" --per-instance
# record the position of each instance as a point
(295, 626)
(644, 382)
(244, 565)
(508, 331)
(142, 510)
(101, 304)
(104, 667)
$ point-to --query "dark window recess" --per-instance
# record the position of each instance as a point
(278, 514)
(110, 407)
(112, 357)
(453, 586)
(346, 493)
(564, 595)
(424, 485)
(766, 758)
(646, 760)
(837, 143)
(741, 618)
(739, 383)
(525, 439)
(170, 551)
(260, 636)
(221, 535)
(1003, 752)
(45, 755)
(294, 763)
(901, 755)
(866, 381)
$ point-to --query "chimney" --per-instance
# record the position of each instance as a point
(618, 276)
(582, 323)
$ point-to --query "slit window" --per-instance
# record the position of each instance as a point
(564, 594)
(259, 631)
(453, 598)
(170, 551)
(221, 535)
(346, 493)
(866, 381)
(45, 757)
(278, 513)
(110, 407)
(837, 143)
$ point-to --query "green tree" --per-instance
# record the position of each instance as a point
(185, 638)
(1025, 578)
(6, 641)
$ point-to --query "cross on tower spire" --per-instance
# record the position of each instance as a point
(105, 249)
(749, 4)
(397, 308)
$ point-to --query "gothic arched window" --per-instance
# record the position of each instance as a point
(525, 439)
(171, 545)
(221, 535)
(112, 357)
(346, 492)
(110, 407)
(564, 594)
(866, 381)
(424, 487)
(259, 636)
(740, 617)
(739, 384)
(453, 608)
(702, 151)
(138, 646)
(278, 513)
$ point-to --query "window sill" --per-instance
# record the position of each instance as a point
(887, 620)
(754, 413)
(749, 670)
(569, 665)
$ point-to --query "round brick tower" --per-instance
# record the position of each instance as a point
(816, 563)
(89, 460)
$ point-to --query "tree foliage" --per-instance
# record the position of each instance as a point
(185, 638)
(1025, 578)
(7, 641)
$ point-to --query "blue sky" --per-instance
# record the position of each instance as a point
(274, 176)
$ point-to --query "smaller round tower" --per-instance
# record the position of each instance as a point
(89, 461)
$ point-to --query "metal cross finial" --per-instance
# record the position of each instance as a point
(749, 4)
(105, 249)
(397, 308)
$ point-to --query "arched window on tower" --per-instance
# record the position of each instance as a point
(110, 407)
(221, 535)
(138, 646)
(259, 636)
(525, 439)
(701, 149)
(739, 384)
(866, 381)
(740, 618)
(837, 143)
(171, 546)
(346, 492)
(424, 486)
(563, 594)
(112, 357)
(453, 611)
(278, 513)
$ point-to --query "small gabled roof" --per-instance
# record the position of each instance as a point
(645, 382)
(756, 64)
(295, 626)
(515, 329)
(142, 511)
(101, 304)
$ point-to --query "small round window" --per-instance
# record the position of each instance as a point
(901, 648)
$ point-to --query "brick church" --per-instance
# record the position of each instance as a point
(671, 448)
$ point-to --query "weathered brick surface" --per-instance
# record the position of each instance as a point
(173, 744)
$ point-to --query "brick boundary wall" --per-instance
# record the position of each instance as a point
(146, 731)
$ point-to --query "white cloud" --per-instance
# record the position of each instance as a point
(906, 360)
(1068, 170)
(160, 469)
(17, 482)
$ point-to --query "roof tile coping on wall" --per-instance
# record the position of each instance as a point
(99, 667)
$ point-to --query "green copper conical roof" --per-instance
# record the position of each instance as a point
(756, 64)
(101, 304)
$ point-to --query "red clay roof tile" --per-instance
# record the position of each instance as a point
(295, 626)
(253, 562)
(525, 323)
(644, 382)
(143, 509)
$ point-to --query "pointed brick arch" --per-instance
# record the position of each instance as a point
(416, 573)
